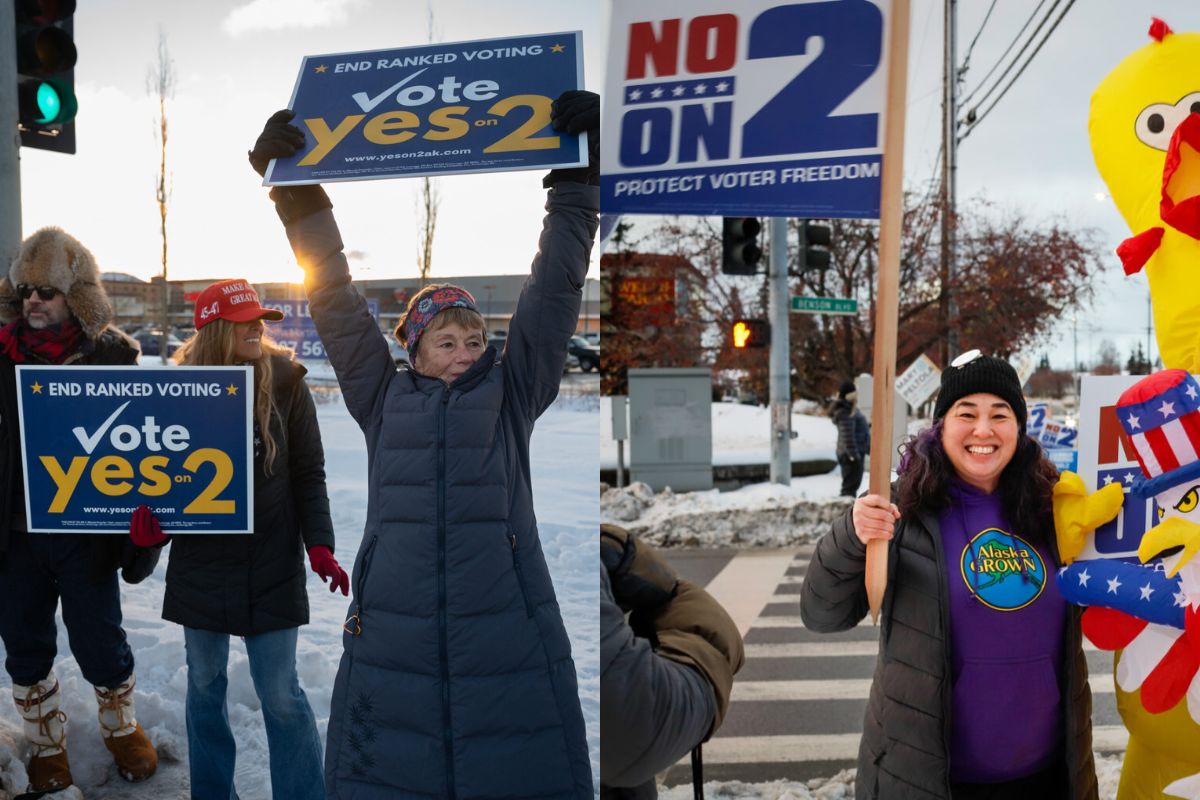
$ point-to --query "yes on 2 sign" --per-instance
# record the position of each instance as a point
(748, 108)
(435, 109)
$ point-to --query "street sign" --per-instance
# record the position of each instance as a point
(919, 381)
(824, 305)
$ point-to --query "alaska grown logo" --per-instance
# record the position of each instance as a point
(1004, 571)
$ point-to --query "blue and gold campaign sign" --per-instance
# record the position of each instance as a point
(97, 442)
(297, 329)
(436, 109)
(746, 108)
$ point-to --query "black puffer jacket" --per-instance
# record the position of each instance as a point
(905, 745)
(250, 584)
(111, 348)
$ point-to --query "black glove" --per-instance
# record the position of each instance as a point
(574, 112)
(281, 139)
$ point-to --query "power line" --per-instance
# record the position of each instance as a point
(1011, 44)
(971, 47)
(975, 119)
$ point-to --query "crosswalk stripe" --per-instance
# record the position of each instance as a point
(747, 582)
(838, 747)
(850, 689)
(792, 579)
(812, 649)
(823, 649)
(795, 622)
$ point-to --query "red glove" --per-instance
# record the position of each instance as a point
(324, 564)
(144, 528)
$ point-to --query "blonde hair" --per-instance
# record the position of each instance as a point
(213, 346)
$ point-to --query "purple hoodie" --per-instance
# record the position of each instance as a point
(1006, 643)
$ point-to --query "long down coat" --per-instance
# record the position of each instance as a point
(457, 679)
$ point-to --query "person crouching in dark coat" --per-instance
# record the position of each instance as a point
(666, 673)
(253, 586)
(55, 311)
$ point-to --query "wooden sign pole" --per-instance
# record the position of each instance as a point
(891, 217)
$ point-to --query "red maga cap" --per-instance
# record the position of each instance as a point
(234, 300)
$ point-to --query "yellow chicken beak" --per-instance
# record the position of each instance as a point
(1172, 532)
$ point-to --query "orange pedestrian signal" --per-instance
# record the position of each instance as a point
(751, 333)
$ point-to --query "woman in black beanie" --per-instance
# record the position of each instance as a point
(980, 689)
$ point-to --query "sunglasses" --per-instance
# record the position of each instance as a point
(44, 292)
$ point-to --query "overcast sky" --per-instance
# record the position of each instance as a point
(237, 63)
(1032, 154)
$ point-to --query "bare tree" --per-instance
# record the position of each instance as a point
(427, 212)
(160, 84)
(430, 199)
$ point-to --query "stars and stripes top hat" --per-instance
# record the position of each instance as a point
(1161, 416)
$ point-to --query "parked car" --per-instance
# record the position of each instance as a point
(587, 353)
(147, 339)
(499, 342)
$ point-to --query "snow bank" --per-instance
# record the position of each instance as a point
(841, 786)
(760, 515)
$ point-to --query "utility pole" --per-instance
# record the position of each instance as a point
(1149, 330)
(779, 374)
(10, 139)
(948, 308)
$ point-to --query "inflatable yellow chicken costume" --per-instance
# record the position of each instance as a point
(1146, 142)
(1145, 132)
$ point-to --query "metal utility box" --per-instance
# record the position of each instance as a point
(670, 414)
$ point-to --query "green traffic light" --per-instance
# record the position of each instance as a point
(49, 104)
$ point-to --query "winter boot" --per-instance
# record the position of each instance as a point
(123, 736)
(44, 728)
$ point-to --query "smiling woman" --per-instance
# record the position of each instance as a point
(253, 586)
(972, 627)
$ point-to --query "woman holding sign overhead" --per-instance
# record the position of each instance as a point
(457, 678)
(980, 688)
(253, 586)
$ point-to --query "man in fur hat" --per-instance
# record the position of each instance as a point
(55, 311)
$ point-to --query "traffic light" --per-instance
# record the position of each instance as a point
(46, 74)
(739, 245)
(817, 239)
(751, 333)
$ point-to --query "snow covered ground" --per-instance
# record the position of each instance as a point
(565, 466)
(741, 435)
(758, 515)
(841, 786)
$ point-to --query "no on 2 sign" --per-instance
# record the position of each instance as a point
(758, 107)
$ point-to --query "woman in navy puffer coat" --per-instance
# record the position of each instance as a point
(457, 679)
